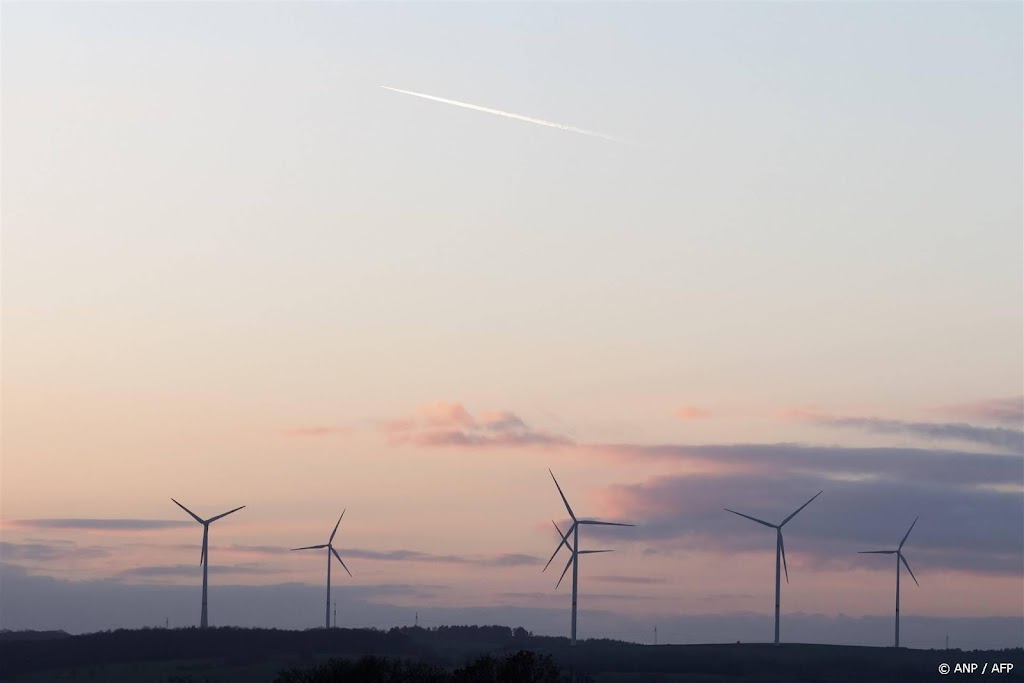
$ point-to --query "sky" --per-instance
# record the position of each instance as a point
(238, 271)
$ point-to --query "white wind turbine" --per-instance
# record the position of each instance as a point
(574, 551)
(330, 551)
(780, 552)
(899, 558)
(204, 557)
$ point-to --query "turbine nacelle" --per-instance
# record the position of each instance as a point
(564, 542)
(778, 529)
(211, 520)
(780, 552)
(328, 545)
(898, 552)
(203, 557)
(330, 551)
(206, 525)
(574, 551)
(900, 559)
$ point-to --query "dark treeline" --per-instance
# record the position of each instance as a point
(239, 645)
(32, 635)
(449, 648)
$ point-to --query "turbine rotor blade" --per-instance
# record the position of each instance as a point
(759, 521)
(571, 559)
(565, 536)
(876, 552)
(214, 519)
(202, 551)
(904, 560)
(562, 495)
(331, 539)
(782, 547)
(800, 508)
(564, 542)
(592, 521)
(311, 547)
(552, 558)
(339, 558)
(908, 533)
(587, 552)
(194, 515)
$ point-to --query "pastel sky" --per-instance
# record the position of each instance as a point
(237, 271)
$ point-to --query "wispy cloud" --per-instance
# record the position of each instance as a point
(637, 580)
(256, 549)
(1003, 410)
(511, 560)
(49, 552)
(191, 570)
(418, 590)
(498, 112)
(102, 524)
(444, 424)
(997, 437)
(503, 560)
(400, 556)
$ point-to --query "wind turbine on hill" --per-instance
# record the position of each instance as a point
(780, 552)
(899, 558)
(330, 551)
(204, 557)
(574, 551)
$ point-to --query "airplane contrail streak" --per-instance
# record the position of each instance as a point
(518, 117)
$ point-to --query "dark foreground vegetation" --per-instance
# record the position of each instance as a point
(490, 654)
(521, 667)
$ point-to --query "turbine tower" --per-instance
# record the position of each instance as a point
(574, 551)
(204, 557)
(899, 558)
(780, 553)
(330, 551)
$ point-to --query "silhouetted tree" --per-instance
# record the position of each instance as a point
(366, 670)
(521, 667)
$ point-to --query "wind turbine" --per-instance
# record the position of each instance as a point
(330, 551)
(899, 558)
(780, 552)
(574, 551)
(204, 557)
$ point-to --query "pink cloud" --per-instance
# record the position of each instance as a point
(441, 414)
(691, 413)
(444, 424)
(314, 431)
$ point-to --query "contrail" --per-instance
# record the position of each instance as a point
(519, 117)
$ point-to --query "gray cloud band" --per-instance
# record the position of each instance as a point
(971, 505)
